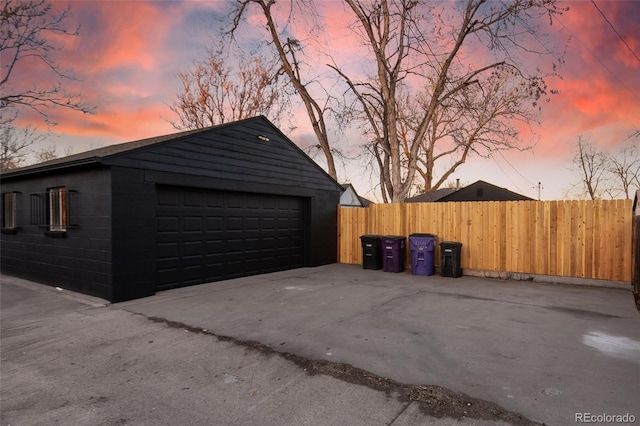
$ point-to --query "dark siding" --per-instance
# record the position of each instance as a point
(636, 273)
(134, 242)
(82, 260)
(323, 232)
(234, 153)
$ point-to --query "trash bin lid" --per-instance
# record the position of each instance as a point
(450, 244)
(370, 237)
(394, 237)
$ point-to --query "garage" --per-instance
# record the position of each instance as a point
(175, 210)
(207, 235)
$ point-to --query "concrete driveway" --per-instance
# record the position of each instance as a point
(550, 352)
(554, 353)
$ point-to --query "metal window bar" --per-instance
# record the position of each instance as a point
(39, 210)
(52, 209)
(9, 210)
(57, 209)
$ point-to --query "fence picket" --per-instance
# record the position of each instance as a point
(585, 239)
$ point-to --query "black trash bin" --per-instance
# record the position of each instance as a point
(450, 259)
(422, 254)
(371, 251)
(393, 253)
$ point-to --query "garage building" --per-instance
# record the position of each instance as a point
(127, 220)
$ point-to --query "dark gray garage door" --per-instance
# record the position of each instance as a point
(206, 235)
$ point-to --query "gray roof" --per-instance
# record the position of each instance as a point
(430, 196)
(469, 193)
(95, 155)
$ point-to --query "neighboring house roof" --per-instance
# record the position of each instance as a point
(350, 197)
(477, 191)
(430, 196)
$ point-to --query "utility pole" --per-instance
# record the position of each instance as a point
(540, 188)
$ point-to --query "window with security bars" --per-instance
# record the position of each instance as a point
(9, 210)
(57, 209)
(51, 209)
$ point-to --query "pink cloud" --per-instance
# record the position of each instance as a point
(128, 53)
(120, 38)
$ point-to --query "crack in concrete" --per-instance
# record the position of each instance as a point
(435, 401)
(400, 413)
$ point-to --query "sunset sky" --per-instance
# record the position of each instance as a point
(128, 55)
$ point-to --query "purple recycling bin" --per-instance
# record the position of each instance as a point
(422, 254)
(393, 253)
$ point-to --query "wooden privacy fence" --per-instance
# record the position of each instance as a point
(584, 239)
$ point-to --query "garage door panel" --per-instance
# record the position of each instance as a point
(269, 203)
(214, 247)
(214, 223)
(282, 223)
(214, 199)
(284, 204)
(192, 224)
(168, 224)
(267, 243)
(193, 198)
(268, 223)
(251, 243)
(253, 264)
(167, 198)
(168, 274)
(214, 272)
(235, 201)
(168, 250)
(234, 246)
(206, 236)
(235, 224)
(234, 268)
(253, 203)
(252, 224)
(192, 249)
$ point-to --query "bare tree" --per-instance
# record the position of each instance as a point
(288, 50)
(47, 153)
(604, 173)
(26, 32)
(463, 104)
(592, 167)
(221, 88)
(428, 96)
(625, 169)
(15, 142)
(28, 29)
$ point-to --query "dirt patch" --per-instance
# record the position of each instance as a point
(434, 401)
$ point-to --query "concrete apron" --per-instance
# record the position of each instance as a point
(548, 279)
(543, 350)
